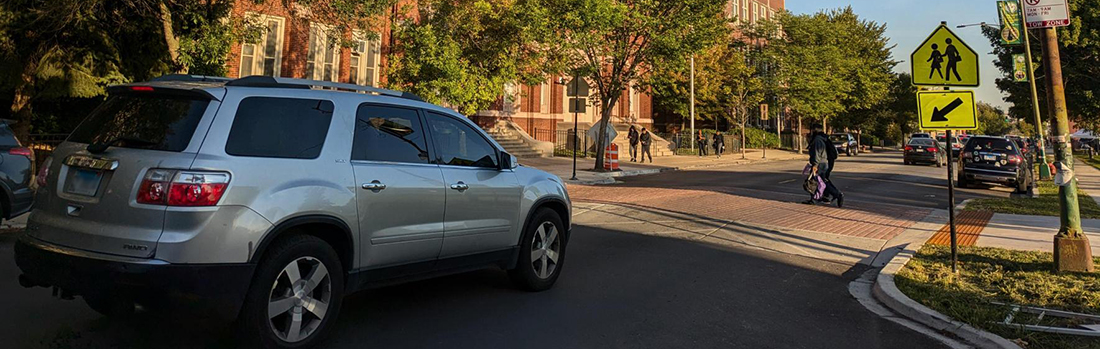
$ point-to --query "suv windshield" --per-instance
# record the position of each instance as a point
(147, 121)
(1000, 145)
(838, 138)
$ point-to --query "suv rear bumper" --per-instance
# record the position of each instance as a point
(211, 287)
(991, 176)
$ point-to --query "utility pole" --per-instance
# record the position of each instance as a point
(1072, 251)
(692, 137)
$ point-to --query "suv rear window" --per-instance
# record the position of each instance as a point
(921, 141)
(991, 145)
(272, 127)
(148, 121)
(7, 137)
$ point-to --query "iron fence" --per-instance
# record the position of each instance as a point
(43, 144)
(563, 143)
(681, 142)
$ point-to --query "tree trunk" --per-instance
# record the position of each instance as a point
(744, 118)
(170, 39)
(799, 135)
(21, 103)
(605, 118)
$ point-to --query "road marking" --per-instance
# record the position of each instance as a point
(789, 181)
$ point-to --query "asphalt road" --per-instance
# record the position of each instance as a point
(620, 289)
(877, 178)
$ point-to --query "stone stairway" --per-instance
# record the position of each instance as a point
(518, 143)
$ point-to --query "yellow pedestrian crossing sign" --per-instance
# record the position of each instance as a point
(944, 60)
(947, 110)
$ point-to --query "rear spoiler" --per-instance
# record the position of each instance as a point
(140, 88)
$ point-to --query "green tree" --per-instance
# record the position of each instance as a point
(1079, 44)
(614, 42)
(992, 121)
(463, 53)
(831, 63)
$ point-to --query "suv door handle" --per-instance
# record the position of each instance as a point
(460, 186)
(374, 186)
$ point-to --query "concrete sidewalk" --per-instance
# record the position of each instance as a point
(563, 166)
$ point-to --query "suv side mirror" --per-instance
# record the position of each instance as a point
(508, 161)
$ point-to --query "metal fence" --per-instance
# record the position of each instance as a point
(681, 143)
(44, 143)
(563, 143)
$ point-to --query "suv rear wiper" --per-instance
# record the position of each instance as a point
(100, 147)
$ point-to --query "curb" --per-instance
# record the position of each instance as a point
(887, 292)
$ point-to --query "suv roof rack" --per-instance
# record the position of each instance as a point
(267, 81)
(185, 77)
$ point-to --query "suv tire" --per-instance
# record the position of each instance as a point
(544, 238)
(304, 255)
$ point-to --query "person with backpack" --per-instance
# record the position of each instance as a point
(646, 140)
(632, 135)
(820, 166)
(719, 144)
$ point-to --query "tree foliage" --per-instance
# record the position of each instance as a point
(463, 53)
(614, 43)
(992, 121)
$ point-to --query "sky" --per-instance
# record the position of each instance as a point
(909, 22)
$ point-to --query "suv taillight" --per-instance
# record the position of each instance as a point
(182, 188)
(21, 152)
(1013, 159)
(44, 172)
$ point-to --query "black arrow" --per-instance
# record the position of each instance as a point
(940, 115)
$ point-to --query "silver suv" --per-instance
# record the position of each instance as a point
(268, 199)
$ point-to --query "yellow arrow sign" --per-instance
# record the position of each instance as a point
(947, 110)
(944, 60)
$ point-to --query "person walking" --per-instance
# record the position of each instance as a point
(953, 59)
(646, 141)
(701, 142)
(719, 144)
(937, 60)
(820, 166)
(632, 135)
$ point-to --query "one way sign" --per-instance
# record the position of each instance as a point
(947, 110)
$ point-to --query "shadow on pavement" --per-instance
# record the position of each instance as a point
(618, 290)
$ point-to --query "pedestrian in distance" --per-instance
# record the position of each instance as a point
(632, 135)
(701, 143)
(646, 141)
(819, 166)
(719, 144)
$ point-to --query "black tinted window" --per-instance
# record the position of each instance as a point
(279, 128)
(146, 121)
(459, 144)
(7, 137)
(990, 145)
(921, 141)
(385, 133)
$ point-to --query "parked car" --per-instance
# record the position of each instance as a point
(924, 150)
(956, 144)
(16, 174)
(845, 143)
(996, 160)
(267, 201)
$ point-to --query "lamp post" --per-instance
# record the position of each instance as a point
(692, 136)
(576, 108)
(1044, 170)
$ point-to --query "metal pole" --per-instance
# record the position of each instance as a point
(951, 204)
(692, 103)
(1071, 215)
(575, 131)
(1044, 170)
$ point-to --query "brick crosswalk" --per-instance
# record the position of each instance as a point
(868, 221)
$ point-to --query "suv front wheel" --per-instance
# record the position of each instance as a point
(541, 253)
(295, 295)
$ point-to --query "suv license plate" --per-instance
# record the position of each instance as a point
(990, 157)
(83, 182)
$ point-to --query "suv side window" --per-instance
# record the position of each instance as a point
(386, 133)
(275, 127)
(458, 144)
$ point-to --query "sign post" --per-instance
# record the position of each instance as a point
(1072, 251)
(945, 61)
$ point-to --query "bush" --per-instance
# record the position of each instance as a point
(756, 138)
(866, 139)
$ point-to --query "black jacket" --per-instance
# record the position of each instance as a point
(819, 145)
(632, 136)
(645, 139)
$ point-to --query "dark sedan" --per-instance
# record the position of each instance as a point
(924, 150)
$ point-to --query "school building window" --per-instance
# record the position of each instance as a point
(365, 55)
(265, 56)
(323, 58)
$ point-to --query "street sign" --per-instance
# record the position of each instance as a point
(944, 60)
(1046, 13)
(947, 110)
(1019, 67)
(764, 112)
(1010, 23)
